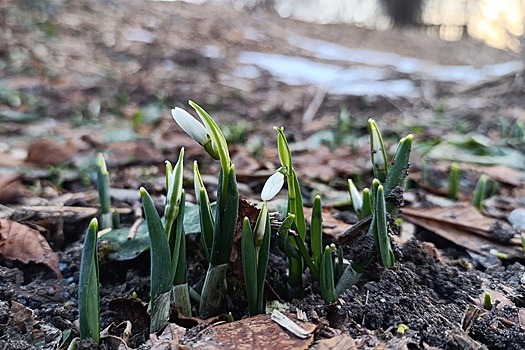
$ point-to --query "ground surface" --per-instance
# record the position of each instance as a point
(80, 78)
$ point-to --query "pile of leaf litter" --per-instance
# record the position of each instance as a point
(434, 298)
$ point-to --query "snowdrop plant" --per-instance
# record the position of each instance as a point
(168, 249)
(388, 183)
(295, 207)
(255, 247)
(209, 135)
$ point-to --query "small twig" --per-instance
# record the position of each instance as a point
(314, 105)
(134, 228)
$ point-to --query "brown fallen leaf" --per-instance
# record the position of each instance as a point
(21, 243)
(258, 332)
(11, 189)
(465, 226)
(339, 342)
(46, 152)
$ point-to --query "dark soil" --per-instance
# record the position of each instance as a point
(72, 56)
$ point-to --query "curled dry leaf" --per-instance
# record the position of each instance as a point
(46, 152)
(21, 243)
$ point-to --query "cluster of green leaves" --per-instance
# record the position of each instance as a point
(218, 223)
(168, 249)
(332, 277)
(389, 179)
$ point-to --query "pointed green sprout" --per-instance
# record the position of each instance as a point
(295, 207)
(316, 231)
(480, 192)
(227, 205)
(88, 286)
(453, 181)
(487, 301)
(366, 209)
(106, 217)
(357, 199)
(400, 163)
(377, 148)
(327, 277)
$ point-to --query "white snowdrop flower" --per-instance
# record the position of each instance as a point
(272, 186)
(190, 125)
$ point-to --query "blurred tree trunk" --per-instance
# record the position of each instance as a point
(404, 12)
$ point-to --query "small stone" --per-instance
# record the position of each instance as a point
(517, 218)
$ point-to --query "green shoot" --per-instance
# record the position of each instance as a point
(106, 217)
(378, 152)
(88, 287)
(453, 181)
(356, 197)
(210, 136)
(487, 301)
(327, 277)
(316, 231)
(480, 192)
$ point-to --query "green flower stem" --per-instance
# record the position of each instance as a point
(205, 212)
(88, 287)
(225, 219)
(213, 289)
(295, 207)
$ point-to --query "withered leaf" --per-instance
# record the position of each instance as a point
(463, 225)
(258, 332)
(21, 243)
(45, 152)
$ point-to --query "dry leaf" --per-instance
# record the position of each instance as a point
(11, 189)
(169, 339)
(340, 342)
(45, 152)
(331, 225)
(21, 243)
(258, 332)
(465, 226)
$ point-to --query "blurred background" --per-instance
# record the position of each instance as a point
(434, 65)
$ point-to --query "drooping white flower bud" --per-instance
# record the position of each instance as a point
(190, 125)
(272, 186)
